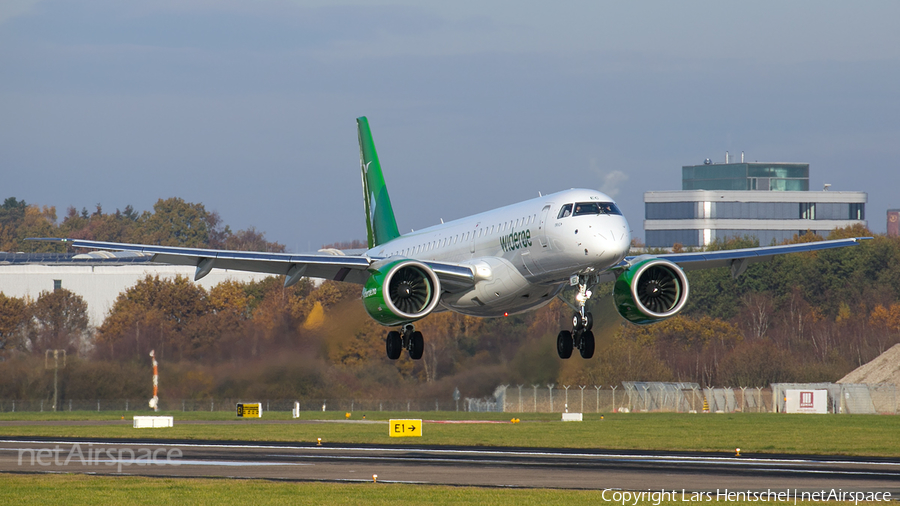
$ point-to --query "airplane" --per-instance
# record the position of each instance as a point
(497, 263)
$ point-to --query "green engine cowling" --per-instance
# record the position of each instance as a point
(400, 292)
(650, 290)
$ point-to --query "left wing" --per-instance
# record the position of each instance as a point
(739, 259)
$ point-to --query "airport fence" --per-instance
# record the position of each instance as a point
(634, 396)
(630, 396)
(141, 405)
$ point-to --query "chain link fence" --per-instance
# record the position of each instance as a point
(634, 396)
(630, 396)
(342, 405)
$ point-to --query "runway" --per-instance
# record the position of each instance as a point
(472, 466)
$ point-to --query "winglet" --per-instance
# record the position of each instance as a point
(381, 226)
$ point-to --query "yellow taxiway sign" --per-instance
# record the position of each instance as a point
(405, 428)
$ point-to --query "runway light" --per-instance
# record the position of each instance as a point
(318, 441)
(347, 415)
(505, 314)
(737, 452)
(374, 478)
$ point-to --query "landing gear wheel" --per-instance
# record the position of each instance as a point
(585, 322)
(587, 344)
(416, 345)
(577, 321)
(564, 344)
(394, 345)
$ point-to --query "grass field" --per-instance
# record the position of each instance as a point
(872, 435)
(90, 490)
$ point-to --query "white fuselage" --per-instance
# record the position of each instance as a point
(523, 254)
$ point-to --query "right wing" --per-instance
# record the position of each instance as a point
(351, 269)
(337, 267)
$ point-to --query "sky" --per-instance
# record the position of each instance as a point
(250, 107)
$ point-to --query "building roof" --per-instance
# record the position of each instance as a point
(754, 196)
(92, 258)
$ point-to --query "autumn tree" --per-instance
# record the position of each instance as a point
(37, 222)
(59, 320)
(175, 222)
(692, 347)
(19, 221)
(13, 322)
(756, 364)
(251, 240)
(886, 323)
(12, 213)
(756, 314)
(155, 313)
(97, 226)
(442, 350)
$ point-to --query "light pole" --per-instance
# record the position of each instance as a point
(55, 370)
(154, 402)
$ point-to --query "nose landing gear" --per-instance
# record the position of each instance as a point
(581, 336)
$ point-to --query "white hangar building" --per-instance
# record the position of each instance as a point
(98, 277)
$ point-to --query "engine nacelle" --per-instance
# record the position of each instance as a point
(650, 290)
(400, 292)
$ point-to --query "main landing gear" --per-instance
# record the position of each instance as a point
(581, 336)
(408, 338)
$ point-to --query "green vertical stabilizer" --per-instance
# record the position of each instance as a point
(381, 225)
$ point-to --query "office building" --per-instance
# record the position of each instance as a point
(768, 201)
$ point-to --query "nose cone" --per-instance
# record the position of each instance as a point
(611, 241)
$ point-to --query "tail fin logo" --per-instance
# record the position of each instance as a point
(381, 226)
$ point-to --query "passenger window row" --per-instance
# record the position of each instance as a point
(460, 238)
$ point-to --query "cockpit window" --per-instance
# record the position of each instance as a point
(583, 208)
(564, 211)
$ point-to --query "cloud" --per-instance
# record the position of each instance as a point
(612, 181)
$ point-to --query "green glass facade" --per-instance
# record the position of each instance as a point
(746, 176)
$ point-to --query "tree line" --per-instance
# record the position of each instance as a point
(801, 317)
(172, 222)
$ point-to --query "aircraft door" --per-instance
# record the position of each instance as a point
(542, 227)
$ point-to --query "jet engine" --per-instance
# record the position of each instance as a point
(401, 292)
(650, 290)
